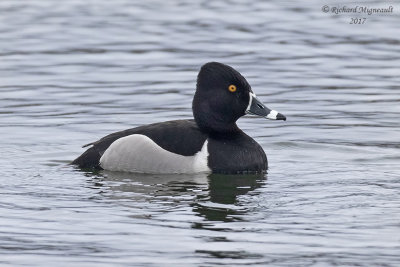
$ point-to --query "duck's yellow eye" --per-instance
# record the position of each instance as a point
(232, 88)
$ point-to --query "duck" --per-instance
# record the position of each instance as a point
(211, 142)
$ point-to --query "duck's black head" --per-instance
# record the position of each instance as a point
(223, 96)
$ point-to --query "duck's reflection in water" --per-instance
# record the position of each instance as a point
(223, 191)
(212, 197)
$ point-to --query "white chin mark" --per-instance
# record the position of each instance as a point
(272, 115)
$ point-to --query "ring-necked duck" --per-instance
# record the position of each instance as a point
(212, 142)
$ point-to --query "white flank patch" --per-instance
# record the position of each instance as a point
(138, 153)
(272, 115)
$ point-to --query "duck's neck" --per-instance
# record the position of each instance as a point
(216, 127)
(213, 117)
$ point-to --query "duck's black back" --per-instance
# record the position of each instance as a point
(182, 137)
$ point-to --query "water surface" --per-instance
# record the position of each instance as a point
(72, 72)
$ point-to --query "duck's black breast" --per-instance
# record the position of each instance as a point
(238, 153)
(181, 137)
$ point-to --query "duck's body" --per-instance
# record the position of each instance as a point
(211, 142)
(175, 147)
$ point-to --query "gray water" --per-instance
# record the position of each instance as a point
(74, 71)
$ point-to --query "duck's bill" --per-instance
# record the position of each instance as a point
(257, 108)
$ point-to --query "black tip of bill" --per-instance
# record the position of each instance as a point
(280, 116)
